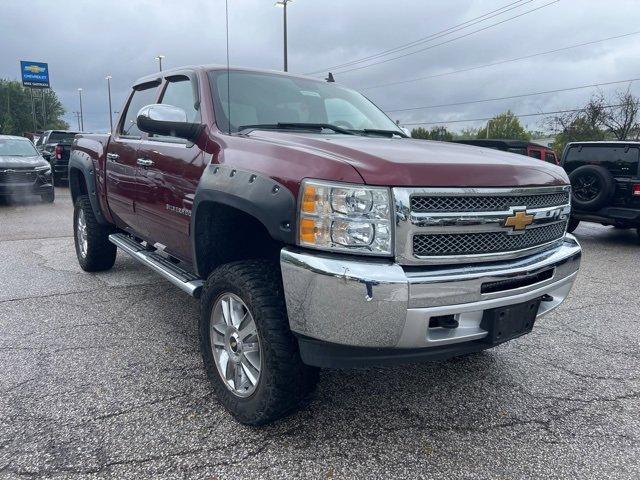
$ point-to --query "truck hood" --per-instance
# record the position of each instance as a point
(409, 162)
(21, 162)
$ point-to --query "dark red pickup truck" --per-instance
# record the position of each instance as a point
(315, 233)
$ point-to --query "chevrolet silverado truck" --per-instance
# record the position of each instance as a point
(314, 232)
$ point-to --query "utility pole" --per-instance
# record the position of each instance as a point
(44, 109)
(283, 4)
(77, 114)
(108, 78)
(488, 125)
(81, 114)
(159, 58)
(33, 111)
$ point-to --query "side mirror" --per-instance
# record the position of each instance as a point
(161, 119)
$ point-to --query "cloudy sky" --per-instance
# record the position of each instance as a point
(85, 40)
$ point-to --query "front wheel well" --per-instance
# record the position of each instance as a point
(77, 184)
(225, 234)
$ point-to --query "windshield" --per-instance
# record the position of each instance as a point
(17, 147)
(269, 99)
(62, 137)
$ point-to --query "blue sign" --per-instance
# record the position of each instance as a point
(35, 74)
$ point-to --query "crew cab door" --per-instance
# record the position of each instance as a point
(169, 169)
(122, 155)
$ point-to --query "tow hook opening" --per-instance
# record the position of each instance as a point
(444, 321)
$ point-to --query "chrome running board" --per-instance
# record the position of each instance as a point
(184, 280)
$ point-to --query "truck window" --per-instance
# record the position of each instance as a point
(550, 157)
(535, 154)
(142, 97)
(179, 93)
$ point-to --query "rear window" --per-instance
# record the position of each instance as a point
(62, 137)
(622, 160)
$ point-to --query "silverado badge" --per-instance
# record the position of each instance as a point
(519, 221)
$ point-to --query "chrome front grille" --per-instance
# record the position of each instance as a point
(448, 226)
(421, 203)
(483, 243)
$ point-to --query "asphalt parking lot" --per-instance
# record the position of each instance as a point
(101, 376)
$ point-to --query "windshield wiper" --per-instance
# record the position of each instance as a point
(295, 126)
(384, 133)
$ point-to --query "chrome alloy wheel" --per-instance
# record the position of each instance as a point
(81, 233)
(235, 344)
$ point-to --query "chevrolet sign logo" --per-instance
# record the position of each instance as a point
(34, 69)
(519, 221)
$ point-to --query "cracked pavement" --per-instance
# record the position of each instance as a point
(101, 377)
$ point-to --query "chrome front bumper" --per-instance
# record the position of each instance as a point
(374, 303)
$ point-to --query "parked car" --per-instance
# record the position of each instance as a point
(55, 146)
(516, 146)
(605, 179)
(314, 232)
(23, 171)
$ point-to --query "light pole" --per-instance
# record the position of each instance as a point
(283, 4)
(159, 58)
(108, 79)
(81, 114)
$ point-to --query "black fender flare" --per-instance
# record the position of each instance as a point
(82, 161)
(255, 194)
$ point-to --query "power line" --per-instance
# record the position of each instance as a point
(512, 96)
(519, 115)
(429, 37)
(451, 39)
(501, 62)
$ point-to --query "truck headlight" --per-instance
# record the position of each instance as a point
(346, 218)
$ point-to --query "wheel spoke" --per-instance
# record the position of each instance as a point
(251, 347)
(220, 328)
(236, 311)
(226, 314)
(223, 359)
(250, 372)
(230, 369)
(248, 331)
(237, 376)
(253, 359)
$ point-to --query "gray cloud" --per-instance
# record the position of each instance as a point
(85, 40)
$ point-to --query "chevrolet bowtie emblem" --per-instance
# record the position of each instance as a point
(519, 221)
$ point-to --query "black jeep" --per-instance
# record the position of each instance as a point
(605, 180)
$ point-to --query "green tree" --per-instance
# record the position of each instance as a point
(468, 133)
(505, 126)
(421, 133)
(15, 109)
(439, 133)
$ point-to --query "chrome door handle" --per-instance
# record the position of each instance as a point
(113, 156)
(144, 162)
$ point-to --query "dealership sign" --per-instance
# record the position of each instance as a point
(35, 74)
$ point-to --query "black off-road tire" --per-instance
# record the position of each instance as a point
(48, 197)
(595, 197)
(285, 383)
(100, 253)
(573, 224)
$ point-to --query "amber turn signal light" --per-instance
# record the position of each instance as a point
(308, 230)
(309, 199)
